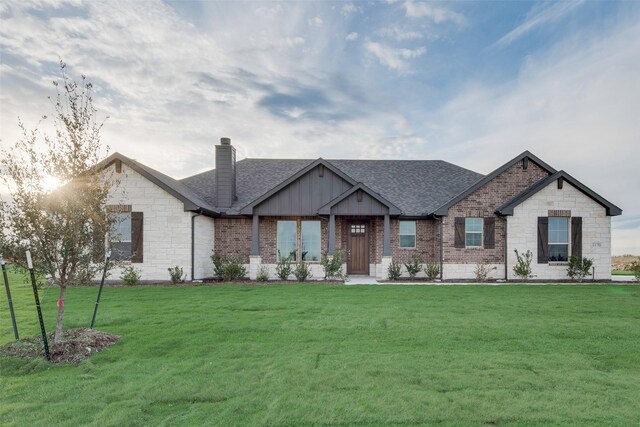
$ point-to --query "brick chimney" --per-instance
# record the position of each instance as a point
(225, 173)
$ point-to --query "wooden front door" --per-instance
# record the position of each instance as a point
(358, 248)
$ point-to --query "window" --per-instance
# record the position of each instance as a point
(121, 237)
(558, 239)
(287, 243)
(407, 234)
(473, 232)
(299, 240)
(310, 239)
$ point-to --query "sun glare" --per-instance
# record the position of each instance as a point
(50, 183)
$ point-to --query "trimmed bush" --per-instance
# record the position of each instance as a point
(394, 271)
(263, 274)
(302, 271)
(579, 268)
(130, 275)
(176, 274)
(414, 266)
(482, 271)
(333, 265)
(284, 267)
(432, 270)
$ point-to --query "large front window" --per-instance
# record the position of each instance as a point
(299, 240)
(473, 232)
(121, 237)
(558, 239)
(287, 244)
(310, 240)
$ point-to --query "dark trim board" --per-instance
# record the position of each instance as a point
(507, 208)
(444, 209)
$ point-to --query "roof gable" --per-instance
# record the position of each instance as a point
(345, 197)
(507, 208)
(303, 192)
(443, 210)
(177, 189)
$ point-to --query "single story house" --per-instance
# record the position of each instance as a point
(375, 210)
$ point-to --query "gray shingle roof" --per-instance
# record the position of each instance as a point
(417, 187)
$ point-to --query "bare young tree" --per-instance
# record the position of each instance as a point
(63, 227)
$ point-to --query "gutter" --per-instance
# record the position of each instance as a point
(193, 226)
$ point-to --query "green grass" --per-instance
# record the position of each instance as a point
(622, 273)
(320, 354)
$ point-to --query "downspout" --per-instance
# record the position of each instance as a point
(506, 241)
(441, 247)
(193, 245)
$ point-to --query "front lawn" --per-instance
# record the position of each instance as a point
(326, 354)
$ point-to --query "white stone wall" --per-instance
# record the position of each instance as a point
(203, 245)
(467, 271)
(166, 226)
(522, 230)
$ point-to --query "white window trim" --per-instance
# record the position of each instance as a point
(415, 234)
(481, 233)
(549, 242)
(298, 223)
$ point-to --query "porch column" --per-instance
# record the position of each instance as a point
(386, 246)
(332, 234)
(255, 236)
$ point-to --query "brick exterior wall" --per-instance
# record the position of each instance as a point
(482, 203)
(426, 241)
(233, 235)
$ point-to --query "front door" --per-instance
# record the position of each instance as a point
(358, 253)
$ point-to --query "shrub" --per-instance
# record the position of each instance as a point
(522, 269)
(579, 268)
(284, 267)
(333, 265)
(394, 271)
(263, 274)
(176, 274)
(414, 266)
(218, 263)
(228, 267)
(482, 271)
(635, 267)
(432, 270)
(302, 271)
(233, 268)
(130, 275)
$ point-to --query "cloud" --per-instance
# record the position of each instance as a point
(574, 106)
(349, 8)
(542, 14)
(351, 37)
(395, 59)
(436, 14)
(400, 34)
(316, 21)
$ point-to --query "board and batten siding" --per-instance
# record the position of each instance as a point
(522, 230)
(166, 226)
(305, 195)
(359, 203)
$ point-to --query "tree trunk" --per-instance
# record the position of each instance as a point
(58, 336)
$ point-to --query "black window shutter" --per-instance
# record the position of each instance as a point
(489, 232)
(576, 236)
(543, 240)
(137, 225)
(458, 241)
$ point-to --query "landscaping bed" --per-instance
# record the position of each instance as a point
(76, 345)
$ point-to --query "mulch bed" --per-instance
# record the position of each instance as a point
(77, 345)
(115, 284)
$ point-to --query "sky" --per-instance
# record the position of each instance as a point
(472, 83)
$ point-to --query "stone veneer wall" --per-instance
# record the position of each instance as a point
(596, 230)
(203, 246)
(482, 203)
(166, 226)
